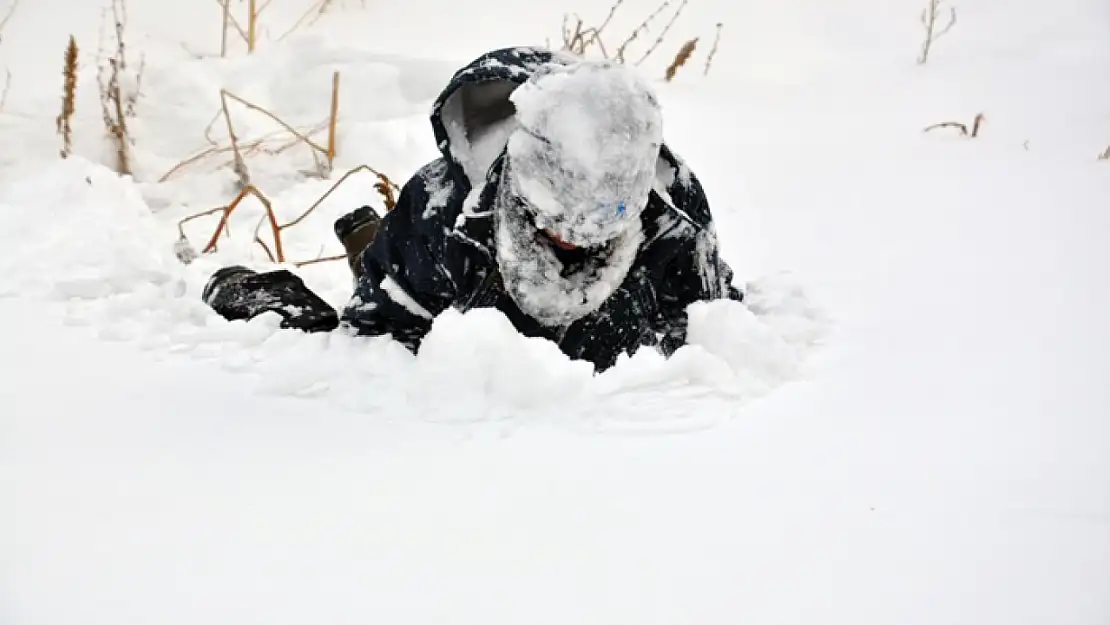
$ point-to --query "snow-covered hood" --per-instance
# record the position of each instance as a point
(473, 117)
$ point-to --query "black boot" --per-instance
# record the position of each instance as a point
(356, 231)
(240, 293)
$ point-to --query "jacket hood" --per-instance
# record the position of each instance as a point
(473, 117)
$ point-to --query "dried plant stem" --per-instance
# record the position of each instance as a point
(247, 148)
(713, 50)
(384, 186)
(932, 33)
(116, 108)
(240, 166)
(680, 59)
(332, 119)
(230, 208)
(1105, 156)
(69, 93)
(8, 16)
(381, 178)
(226, 4)
(323, 259)
(293, 131)
(252, 24)
(976, 125)
(663, 35)
(962, 127)
(641, 29)
(181, 224)
(309, 17)
(4, 93)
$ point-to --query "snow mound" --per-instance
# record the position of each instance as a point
(124, 282)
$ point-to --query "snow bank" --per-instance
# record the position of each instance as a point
(109, 263)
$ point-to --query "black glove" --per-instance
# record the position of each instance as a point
(240, 293)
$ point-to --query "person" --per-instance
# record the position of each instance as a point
(555, 201)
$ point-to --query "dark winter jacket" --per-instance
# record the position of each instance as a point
(435, 249)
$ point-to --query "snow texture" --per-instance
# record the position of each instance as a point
(581, 166)
(585, 156)
(539, 281)
(904, 422)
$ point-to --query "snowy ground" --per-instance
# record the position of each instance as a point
(907, 423)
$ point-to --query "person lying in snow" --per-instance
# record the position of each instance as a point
(556, 202)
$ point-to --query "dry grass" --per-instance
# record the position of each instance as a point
(276, 254)
(69, 93)
(117, 106)
(248, 34)
(933, 32)
(976, 125)
(313, 14)
(644, 28)
(8, 16)
(713, 50)
(580, 39)
(680, 59)
(1105, 156)
(323, 155)
(239, 164)
(4, 92)
(7, 73)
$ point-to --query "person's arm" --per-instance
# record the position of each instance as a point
(403, 286)
(696, 273)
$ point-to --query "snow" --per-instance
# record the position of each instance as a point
(535, 276)
(586, 154)
(904, 423)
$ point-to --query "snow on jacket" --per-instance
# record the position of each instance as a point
(436, 250)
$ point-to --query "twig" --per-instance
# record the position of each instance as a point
(248, 190)
(959, 125)
(293, 131)
(8, 16)
(929, 22)
(223, 35)
(181, 224)
(976, 125)
(324, 259)
(608, 18)
(663, 35)
(644, 27)
(316, 9)
(332, 119)
(229, 20)
(4, 93)
(713, 50)
(115, 107)
(240, 166)
(384, 186)
(211, 125)
(247, 147)
(382, 178)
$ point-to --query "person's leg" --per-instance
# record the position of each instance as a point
(237, 292)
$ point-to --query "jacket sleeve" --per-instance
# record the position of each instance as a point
(695, 273)
(403, 285)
